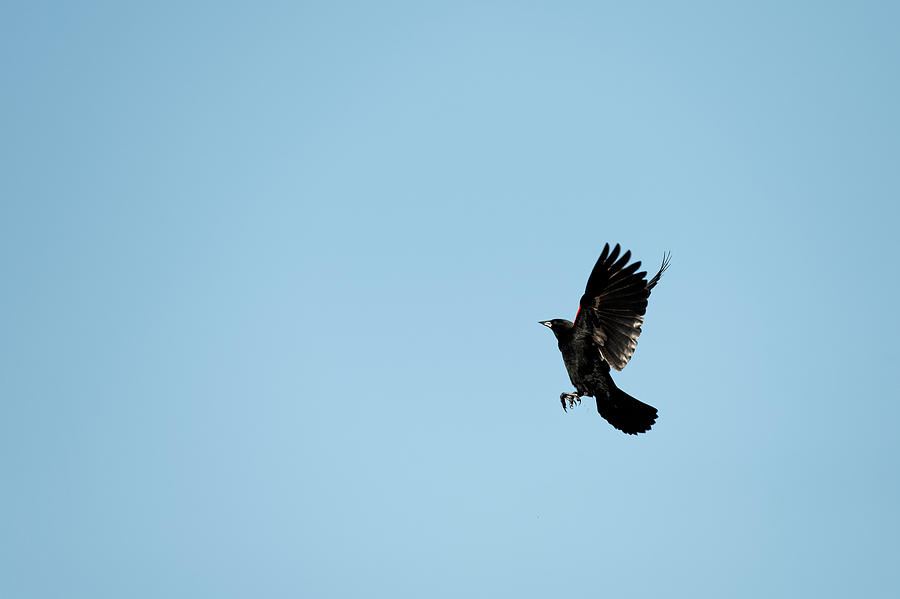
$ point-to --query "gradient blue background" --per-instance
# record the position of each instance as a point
(271, 277)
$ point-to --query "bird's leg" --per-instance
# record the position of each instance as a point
(571, 398)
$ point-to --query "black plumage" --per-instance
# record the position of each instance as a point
(604, 335)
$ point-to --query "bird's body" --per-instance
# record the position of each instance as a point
(604, 335)
(588, 376)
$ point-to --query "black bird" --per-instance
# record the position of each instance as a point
(604, 334)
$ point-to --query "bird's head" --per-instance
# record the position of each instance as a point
(557, 325)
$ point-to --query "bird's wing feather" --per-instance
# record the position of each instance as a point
(613, 306)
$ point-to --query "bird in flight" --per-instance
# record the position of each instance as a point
(604, 334)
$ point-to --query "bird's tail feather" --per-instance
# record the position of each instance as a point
(626, 413)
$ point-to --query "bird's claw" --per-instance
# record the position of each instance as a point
(569, 398)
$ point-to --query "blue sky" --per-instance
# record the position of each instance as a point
(272, 275)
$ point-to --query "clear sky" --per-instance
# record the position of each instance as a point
(271, 277)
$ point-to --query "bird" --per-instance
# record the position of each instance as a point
(604, 335)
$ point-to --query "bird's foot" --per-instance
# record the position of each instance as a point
(569, 398)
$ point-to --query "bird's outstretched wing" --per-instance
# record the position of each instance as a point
(613, 305)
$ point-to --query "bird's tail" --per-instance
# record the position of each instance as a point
(626, 413)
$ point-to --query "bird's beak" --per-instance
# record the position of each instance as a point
(546, 323)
